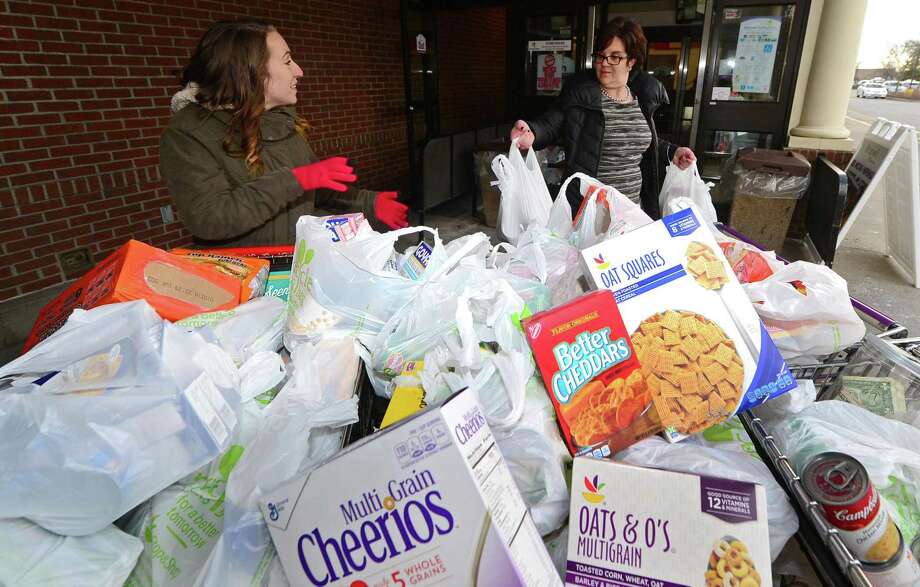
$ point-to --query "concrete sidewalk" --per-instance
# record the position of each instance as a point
(862, 258)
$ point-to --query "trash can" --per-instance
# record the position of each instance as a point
(482, 164)
(767, 185)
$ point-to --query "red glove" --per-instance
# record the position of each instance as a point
(332, 173)
(390, 211)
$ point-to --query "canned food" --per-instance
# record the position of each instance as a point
(901, 571)
(840, 484)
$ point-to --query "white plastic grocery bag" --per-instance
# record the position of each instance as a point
(183, 523)
(888, 449)
(299, 428)
(31, 556)
(353, 286)
(537, 457)
(604, 212)
(252, 327)
(806, 309)
(111, 409)
(548, 258)
(525, 197)
(728, 462)
(682, 187)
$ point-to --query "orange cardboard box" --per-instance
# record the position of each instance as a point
(175, 287)
(251, 271)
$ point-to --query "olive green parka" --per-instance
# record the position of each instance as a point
(218, 200)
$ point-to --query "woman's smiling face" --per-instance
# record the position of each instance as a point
(283, 73)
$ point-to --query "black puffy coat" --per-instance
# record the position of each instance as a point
(576, 123)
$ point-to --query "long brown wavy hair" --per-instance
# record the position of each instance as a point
(230, 66)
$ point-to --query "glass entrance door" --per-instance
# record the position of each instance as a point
(673, 58)
(752, 61)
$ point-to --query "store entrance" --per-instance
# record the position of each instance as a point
(745, 96)
(673, 58)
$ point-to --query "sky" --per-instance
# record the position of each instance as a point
(888, 22)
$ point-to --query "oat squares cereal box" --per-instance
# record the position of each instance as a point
(703, 351)
(591, 374)
(427, 501)
(637, 526)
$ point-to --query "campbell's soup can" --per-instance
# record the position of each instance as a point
(840, 484)
(901, 571)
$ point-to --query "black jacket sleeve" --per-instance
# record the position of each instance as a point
(547, 128)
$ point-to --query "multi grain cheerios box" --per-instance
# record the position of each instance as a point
(703, 351)
(427, 501)
(680, 530)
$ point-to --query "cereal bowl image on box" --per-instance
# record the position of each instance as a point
(703, 351)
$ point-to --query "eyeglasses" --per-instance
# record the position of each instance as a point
(612, 59)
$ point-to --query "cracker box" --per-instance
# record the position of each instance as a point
(251, 271)
(175, 287)
(280, 257)
(636, 526)
(592, 375)
(704, 353)
(427, 501)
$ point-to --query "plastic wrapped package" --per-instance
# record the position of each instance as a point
(300, 428)
(111, 409)
(182, 524)
(727, 462)
(888, 449)
(252, 327)
(749, 264)
(31, 556)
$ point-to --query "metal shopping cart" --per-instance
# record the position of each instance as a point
(833, 563)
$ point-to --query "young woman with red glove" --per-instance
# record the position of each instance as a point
(235, 155)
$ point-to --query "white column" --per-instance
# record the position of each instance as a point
(828, 91)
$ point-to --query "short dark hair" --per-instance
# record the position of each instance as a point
(630, 32)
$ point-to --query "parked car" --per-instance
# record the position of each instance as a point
(872, 90)
(891, 86)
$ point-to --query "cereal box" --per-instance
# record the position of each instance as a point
(428, 501)
(591, 374)
(704, 353)
(636, 526)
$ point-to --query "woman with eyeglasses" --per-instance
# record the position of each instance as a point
(604, 120)
(235, 155)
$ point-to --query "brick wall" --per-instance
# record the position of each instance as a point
(84, 96)
(471, 58)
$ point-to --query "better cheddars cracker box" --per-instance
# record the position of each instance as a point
(704, 353)
(592, 375)
(426, 501)
(636, 526)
